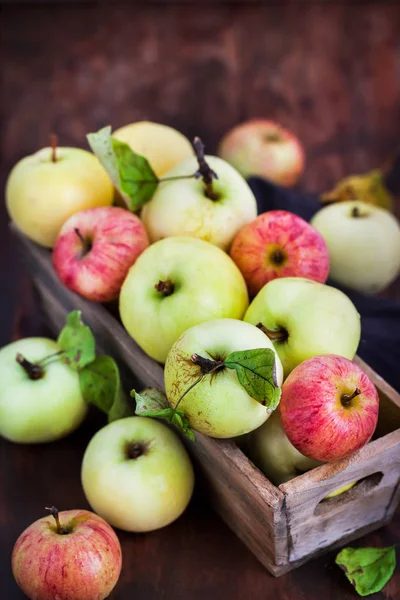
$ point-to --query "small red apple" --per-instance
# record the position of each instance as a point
(77, 557)
(264, 148)
(279, 244)
(95, 250)
(329, 407)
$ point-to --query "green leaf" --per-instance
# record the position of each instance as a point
(77, 341)
(101, 386)
(153, 403)
(256, 371)
(368, 569)
(130, 172)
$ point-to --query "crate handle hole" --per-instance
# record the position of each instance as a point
(362, 487)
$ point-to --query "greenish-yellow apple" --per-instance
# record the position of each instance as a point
(38, 403)
(270, 449)
(363, 242)
(44, 189)
(217, 405)
(175, 284)
(137, 475)
(163, 146)
(183, 206)
(305, 318)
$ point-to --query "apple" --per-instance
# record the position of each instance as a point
(329, 407)
(270, 449)
(137, 475)
(38, 403)
(264, 148)
(279, 244)
(76, 556)
(96, 248)
(175, 284)
(363, 242)
(44, 189)
(341, 490)
(163, 146)
(218, 405)
(185, 207)
(305, 318)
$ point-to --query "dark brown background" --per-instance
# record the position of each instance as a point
(328, 70)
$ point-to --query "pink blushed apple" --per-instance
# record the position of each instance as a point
(279, 244)
(329, 407)
(95, 250)
(264, 148)
(75, 555)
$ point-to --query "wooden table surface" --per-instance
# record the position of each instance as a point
(328, 70)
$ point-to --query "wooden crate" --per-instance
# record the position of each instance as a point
(283, 526)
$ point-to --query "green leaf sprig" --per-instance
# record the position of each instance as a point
(153, 403)
(367, 569)
(132, 174)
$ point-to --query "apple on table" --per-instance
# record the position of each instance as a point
(266, 149)
(44, 189)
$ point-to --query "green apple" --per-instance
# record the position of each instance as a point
(182, 207)
(270, 449)
(37, 404)
(217, 405)
(43, 190)
(363, 242)
(175, 284)
(305, 318)
(137, 475)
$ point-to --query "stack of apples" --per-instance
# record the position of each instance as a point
(199, 277)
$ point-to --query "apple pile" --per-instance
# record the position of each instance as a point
(254, 342)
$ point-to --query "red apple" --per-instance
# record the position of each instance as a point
(329, 407)
(75, 556)
(279, 244)
(264, 148)
(95, 250)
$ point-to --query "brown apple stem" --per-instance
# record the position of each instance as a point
(279, 335)
(347, 398)
(33, 370)
(53, 144)
(87, 246)
(165, 287)
(54, 511)
(206, 365)
(204, 170)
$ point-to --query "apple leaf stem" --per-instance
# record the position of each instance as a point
(188, 390)
(33, 370)
(278, 335)
(347, 398)
(204, 170)
(54, 512)
(53, 145)
(50, 357)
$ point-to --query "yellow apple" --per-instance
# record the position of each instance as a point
(163, 146)
(46, 188)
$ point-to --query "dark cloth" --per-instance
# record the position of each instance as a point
(380, 317)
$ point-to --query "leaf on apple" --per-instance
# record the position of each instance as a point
(153, 403)
(100, 385)
(130, 172)
(77, 342)
(367, 569)
(256, 371)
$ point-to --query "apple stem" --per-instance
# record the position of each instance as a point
(54, 511)
(355, 212)
(204, 170)
(279, 335)
(53, 144)
(33, 370)
(87, 246)
(165, 287)
(347, 398)
(206, 365)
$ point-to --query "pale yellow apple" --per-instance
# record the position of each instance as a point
(163, 146)
(42, 194)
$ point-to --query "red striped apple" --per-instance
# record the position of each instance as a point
(279, 244)
(75, 555)
(264, 148)
(95, 250)
(329, 407)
